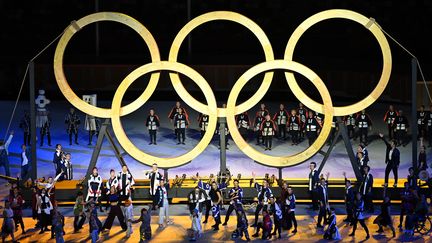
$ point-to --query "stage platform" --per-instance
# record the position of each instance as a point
(307, 231)
(207, 162)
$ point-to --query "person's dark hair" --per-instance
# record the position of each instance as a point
(112, 170)
(289, 187)
(235, 180)
(154, 164)
(57, 145)
(80, 193)
(67, 154)
(348, 181)
(313, 163)
(367, 167)
(332, 209)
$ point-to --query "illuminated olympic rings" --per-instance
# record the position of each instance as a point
(172, 66)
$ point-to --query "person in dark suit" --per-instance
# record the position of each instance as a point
(322, 195)
(366, 188)
(392, 160)
(58, 157)
(313, 181)
(349, 199)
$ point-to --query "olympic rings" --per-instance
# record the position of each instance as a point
(373, 28)
(230, 16)
(130, 147)
(116, 111)
(283, 161)
(61, 78)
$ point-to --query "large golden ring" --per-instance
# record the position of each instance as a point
(229, 16)
(61, 78)
(282, 161)
(211, 110)
(373, 28)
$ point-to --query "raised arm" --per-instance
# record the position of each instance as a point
(385, 141)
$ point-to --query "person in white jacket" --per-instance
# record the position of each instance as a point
(4, 153)
(155, 176)
(44, 208)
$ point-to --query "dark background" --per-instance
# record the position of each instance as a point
(344, 54)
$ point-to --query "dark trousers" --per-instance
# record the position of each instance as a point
(277, 225)
(115, 211)
(27, 138)
(152, 136)
(282, 131)
(24, 171)
(258, 210)
(351, 131)
(244, 133)
(368, 203)
(208, 208)
(231, 208)
(400, 137)
(292, 220)
(362, 223)
(421, 131)
(322, 215)
(4, 161)
(331, 136)
(91, 133)
(403, 212)
(44, 220)
(311, 137)
(391, 132)
(48, 134)
(268, 141)
(363, 133)
(349, 211)
(19, 220)
(314, 200)
(429, 135)
(294, 136)
(259, 137)
(391, 167)
(181, 133)
(75, 134)
(78, 223)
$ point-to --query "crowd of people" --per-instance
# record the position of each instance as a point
(277, 212)
(273, 213)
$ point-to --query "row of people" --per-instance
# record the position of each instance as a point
(298, 124)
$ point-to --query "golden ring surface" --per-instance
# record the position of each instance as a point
(279, 161)
(61, 78)
(227, 16)
(377, 33)
(136, 152)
